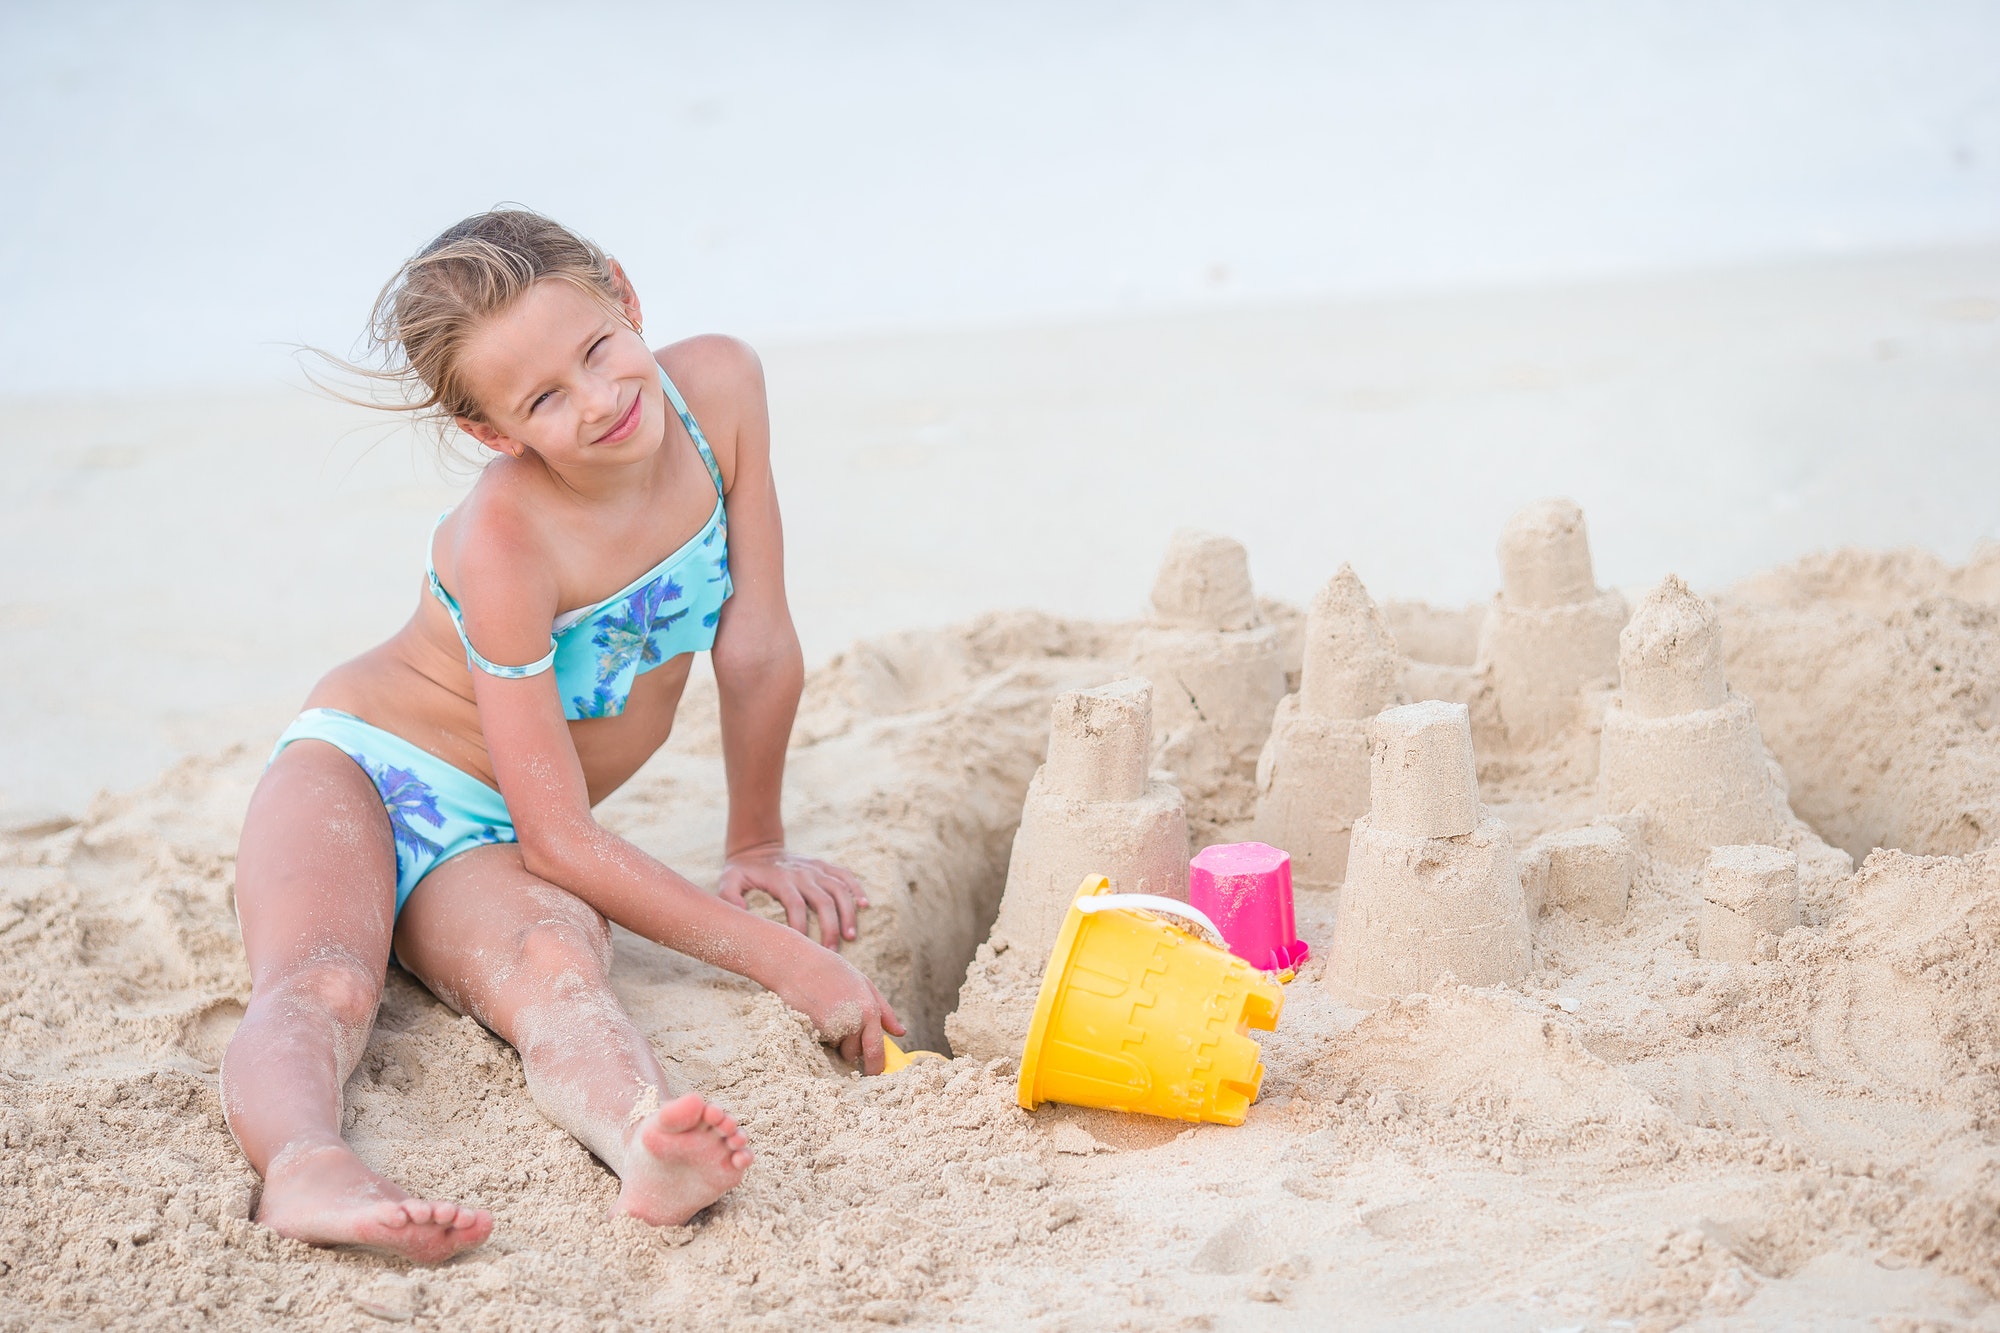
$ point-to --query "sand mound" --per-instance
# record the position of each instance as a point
(1486, 1051)
(1631, 1131)
(1877, 678)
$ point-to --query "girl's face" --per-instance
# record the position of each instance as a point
(559, 374)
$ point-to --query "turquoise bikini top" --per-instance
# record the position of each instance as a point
(599, 650)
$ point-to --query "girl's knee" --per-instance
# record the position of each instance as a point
(342, 988)
(575, 943)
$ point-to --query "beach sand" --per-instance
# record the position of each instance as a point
(1629, 1132)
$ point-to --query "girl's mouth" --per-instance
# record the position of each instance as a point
(626, 424)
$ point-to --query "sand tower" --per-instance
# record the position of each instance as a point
(1678, 747)
(1312, 779)
(1585, 871)
(1432, 882)
(1746, 892)
(1551, 631)
(1217, 671)
(1092, 809)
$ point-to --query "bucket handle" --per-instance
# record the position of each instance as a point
(1147, 902)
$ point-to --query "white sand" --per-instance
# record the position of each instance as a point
(1632, 1132)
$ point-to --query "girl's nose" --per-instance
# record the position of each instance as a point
(598, 398)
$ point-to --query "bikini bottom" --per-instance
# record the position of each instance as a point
(435, 810)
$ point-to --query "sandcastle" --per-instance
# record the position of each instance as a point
(1312, 778)
(1433, 887)
(1551, 631)
(1217, 671)
(1678, 747)
(1092, 809)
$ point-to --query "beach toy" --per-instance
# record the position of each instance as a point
(1138, 1014)
(895, 1057)
(1246, 888)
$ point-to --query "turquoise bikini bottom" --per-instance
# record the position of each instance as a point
(436, 811)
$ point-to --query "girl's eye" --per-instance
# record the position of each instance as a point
(539, 401)
(597, 346)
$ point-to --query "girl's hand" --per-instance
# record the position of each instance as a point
(798, 884)
(844, 1006)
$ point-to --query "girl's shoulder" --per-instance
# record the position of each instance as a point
(499, 525)
(722, 380)
(714, 361)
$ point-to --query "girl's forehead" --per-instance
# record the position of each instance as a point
(537, 336)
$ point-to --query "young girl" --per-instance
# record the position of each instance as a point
(436, 794)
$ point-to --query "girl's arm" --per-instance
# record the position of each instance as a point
(510, 600)
(759, 672)
(562, 842)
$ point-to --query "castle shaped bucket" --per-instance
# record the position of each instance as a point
(1138, 1014)
(1246, 889)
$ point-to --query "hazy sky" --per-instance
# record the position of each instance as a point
(190, 186)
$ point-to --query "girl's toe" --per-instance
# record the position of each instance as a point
(683, 1114)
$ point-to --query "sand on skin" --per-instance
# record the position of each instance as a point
(1631, 1132)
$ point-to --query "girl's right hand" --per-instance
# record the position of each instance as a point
(846, 1010)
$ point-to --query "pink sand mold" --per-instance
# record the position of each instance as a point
(1246, 889)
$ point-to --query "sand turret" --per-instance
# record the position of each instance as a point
(1746, 892)
(1204, 584)
(1312, 778)
(1551, 632)
(1092, 809)
(1670, 655)
(1585, 871)
(1218, 673)
(1432, 886)
(1678, 747)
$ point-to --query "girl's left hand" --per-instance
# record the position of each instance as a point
(799, 884)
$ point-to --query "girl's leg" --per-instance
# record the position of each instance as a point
(532, 962)
(316, 894)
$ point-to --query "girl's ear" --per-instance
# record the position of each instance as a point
(628, 297)
(491, 438)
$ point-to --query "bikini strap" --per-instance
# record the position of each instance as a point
(693, 430)
(472, 657)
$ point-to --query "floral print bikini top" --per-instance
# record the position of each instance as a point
(599, 650)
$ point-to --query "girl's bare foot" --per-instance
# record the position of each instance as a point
(680, 1159)
(328, 1196)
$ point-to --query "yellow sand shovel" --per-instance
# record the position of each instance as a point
(895, 1057)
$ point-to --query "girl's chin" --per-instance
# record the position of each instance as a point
(634, 448)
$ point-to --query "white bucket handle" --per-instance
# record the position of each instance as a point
(1147, 902)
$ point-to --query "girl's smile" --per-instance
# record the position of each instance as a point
(627, 423)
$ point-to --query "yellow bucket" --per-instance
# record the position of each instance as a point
(1136, 1014)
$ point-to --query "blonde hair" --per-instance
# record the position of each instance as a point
(473, 270)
